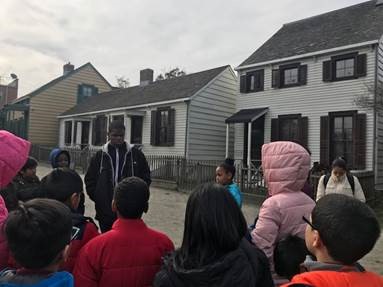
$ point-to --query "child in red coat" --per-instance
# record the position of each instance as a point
(65, 185)
(130, 253)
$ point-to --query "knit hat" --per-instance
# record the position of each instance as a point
(13, 155)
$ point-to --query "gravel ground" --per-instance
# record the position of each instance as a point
(167, 210)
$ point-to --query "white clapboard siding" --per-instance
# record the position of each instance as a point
(313, 100)
(180, 131)
(207, 113)
(379, 121)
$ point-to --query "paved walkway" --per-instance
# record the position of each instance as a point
(167, 211)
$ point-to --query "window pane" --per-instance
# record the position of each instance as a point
(252, 82)
(345, 68)
(68, 133)
(338, 123)
(291, 76)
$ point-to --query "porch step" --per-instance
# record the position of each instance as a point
(164, 184)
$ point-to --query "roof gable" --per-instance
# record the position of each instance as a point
(351, 25)
(59, 79)
(158, 91)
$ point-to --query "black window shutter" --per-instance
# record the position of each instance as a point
(171, 130)
(361, 65)
(324, 141)
(303, 75)
(80, 96)
(276, 79)
(304, 129)
(94, 126)
(360, 142)
(327, 71)
(261, 80)
(274, 130)
(153, 128)
(95, 91)
(242, 87)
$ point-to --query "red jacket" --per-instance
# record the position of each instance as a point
(338, 279)
(128, 255)
(87, 230)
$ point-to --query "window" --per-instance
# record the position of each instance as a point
(342, 136)
(68, 133)
(292, 127)
(345, 67)
(289, 76)
(252, 82)
(162, 127)
(85, 91)
(99, 130)
(136, 130)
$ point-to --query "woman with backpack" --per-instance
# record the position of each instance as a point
(340, 181)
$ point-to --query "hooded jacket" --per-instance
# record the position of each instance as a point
(286, 166)
(13, 155)
(12, 278)
(104, 173)
(245, 266)
(53, 156)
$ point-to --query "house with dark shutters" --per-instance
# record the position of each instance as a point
(183, 116)
(34, 115)
(301, 85)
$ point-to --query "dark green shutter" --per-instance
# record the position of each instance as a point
(303, 75)
(242, 85)
(327, 71)
(153, 128)
(171, 129)
(80, 96)
(261, 80)
(95, 91)
(276, 79)
(361, 65)
(274, 130)
(324, 141)
(360, 142)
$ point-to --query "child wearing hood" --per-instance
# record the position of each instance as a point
(285, 166)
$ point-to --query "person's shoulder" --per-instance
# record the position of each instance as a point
(159, 236)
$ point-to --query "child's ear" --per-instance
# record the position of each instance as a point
(146, 207)
(114, 207)
(65, 253)
(317, 241)
(74, 200)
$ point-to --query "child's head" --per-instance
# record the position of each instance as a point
(339, 167)
(63, 184)
(225, 172)
(131, 198)
(116, 133)
(29, 168)
(342, 228)
(288, 255)
(59, 158)
(214, 226)
(38, 233)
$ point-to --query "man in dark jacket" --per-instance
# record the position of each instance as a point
(115, 161)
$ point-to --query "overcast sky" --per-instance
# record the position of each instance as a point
(120, 37)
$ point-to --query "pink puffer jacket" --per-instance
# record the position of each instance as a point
(286, 166)
(13, 155)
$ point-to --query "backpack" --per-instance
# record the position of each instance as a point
(350, 179)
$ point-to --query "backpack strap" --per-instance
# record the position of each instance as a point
(351, 181)
(325, 180)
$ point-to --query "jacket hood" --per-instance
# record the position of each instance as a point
(128, 146)
(55, 154)
(13, 155)
(286, 166)
(233, 268)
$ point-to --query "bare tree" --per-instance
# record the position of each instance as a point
(372, 99)
(122, 82)
(172, 73)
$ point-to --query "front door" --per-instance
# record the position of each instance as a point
(257, 139)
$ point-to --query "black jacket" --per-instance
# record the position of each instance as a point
(245, 266)
(100, 178)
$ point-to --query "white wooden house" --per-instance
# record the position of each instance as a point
(183, 116)
(302, 83)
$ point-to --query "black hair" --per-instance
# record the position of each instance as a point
(116, 125)
(289, 253)
(61, 183)
(228, 166)
(214, 226)
(340, 162)
(131, 197)
(30, 163)
(347, 227)
(37, 231)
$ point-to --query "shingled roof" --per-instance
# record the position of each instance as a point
(158, 91)
(351, 25)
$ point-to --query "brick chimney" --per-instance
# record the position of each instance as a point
(68, 67)
(146, 77)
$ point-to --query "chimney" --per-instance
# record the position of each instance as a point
(68, 68)
(146, 77)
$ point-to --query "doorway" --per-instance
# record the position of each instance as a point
(257, 139)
